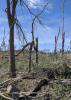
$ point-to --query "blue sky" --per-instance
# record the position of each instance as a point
(51, 18)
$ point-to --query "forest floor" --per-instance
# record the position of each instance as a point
(59, 87)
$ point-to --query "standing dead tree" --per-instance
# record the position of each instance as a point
(63, 33)
(55, 51)
(63, 41)
(11, 12)
(11, 15)
(56, 40)
(33, 29)
(30, 56)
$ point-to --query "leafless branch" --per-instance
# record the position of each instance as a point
(18, 25)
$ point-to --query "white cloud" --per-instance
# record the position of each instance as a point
(38, 4)
(33, 3)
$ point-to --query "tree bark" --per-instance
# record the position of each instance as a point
(37, 51)
(63, 41)
(30, 55)
(12, 54)
(11, 11)
(55, 51)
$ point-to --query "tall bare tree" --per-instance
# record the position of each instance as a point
(11, 11)
(63, 19)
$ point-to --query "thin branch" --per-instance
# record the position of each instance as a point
(23, 48)
(19, 26)
(58, 34)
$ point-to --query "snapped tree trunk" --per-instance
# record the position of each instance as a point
(63, 41)
(55, 51)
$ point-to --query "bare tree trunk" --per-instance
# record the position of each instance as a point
(55, 51)
(36, 50)
(63, 41)
(12, 55)
(63, 33)
(30, 55)
(11, 11)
